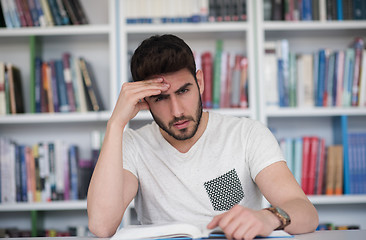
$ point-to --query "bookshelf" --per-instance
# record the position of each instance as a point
(106, 42)
(96, 42)
(308, 37)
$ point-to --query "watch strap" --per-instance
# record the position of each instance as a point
(284, 218)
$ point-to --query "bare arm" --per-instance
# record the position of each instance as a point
(286, 193)
(112, 188)
(281, 189)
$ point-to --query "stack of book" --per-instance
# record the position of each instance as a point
(11, 92)
(326, 78)
(314, 10)
(65, 85)
(357, 162)
(331, 226)
(183, 11)
(43, 172)
(34, 13)
(225, 78)
(320, 169)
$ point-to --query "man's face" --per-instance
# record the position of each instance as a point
(178, 110)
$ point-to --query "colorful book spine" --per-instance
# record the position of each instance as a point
(207, 69)
(217, 75)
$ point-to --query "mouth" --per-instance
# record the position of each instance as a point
(181, 124)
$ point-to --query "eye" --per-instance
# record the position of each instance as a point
(183, 91)
(158, 99)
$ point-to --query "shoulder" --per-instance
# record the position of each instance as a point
(233, 122)
(144, 132)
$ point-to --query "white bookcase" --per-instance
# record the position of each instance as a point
(105, 42)
(96, 42)
(308, 37)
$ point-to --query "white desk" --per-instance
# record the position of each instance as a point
(319, 235)
(334, 235)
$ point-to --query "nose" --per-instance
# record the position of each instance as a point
(176, 107)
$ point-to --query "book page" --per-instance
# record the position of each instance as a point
(168, 230)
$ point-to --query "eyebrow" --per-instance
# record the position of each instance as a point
(177, 91)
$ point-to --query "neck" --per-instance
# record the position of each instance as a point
(183, 146)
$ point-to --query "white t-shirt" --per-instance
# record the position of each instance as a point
(214, 175)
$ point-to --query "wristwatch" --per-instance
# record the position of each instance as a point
(281, 215)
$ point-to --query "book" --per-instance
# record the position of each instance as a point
(2, 18)
(40, 13)
(15, 90)
(47, 13)
(93, 98)
(206, 59)
(282, 53)
(314, 146)
(61, 86)
(71, 12)
(175, 230)
(362, 87)
(217, 75)
(225, 77)
(33, 12)
(54, 84)
(46, 91)
(305, 164)
(55, 12)
(270, 73)
(5, 10)
(244, 82)
(235, 83)
(358, 46)
(21, 12)
(340, 134)
(14, 14)
(319, 173)
(78, 86)
(2, 89)
(68, 81)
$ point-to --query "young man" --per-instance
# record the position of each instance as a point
(190, 165)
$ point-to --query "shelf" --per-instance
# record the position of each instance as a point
(57, 30)
(187, 27)
(342, 199)
(313, 25)
(315, 112)
(238, 112)
(55, 117)
(81, 204)
(44, 206)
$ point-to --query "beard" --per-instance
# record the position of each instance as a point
(183, 134)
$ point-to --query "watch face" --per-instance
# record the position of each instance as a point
(283, 213)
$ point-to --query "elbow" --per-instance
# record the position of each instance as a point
(315, 221)
(101, 230)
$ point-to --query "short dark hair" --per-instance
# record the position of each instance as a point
(161, 54)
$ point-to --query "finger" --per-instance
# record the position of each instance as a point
(137, 87)
(229, 217)
(143, 106)
(240, 232)
(215, 221)
(234, 225)
(251, 233)
(141, 92)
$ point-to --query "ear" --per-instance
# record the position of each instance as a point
(200, 80)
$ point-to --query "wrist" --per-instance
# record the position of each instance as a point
(274, 222)
(283, 219)
(115, 124)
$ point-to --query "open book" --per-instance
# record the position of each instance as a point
(176, 230)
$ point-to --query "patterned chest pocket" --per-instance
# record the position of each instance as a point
(225, 191)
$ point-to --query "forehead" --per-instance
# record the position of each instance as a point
(177, 79)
